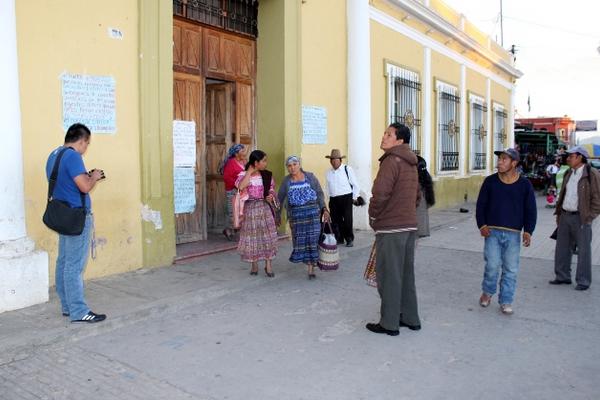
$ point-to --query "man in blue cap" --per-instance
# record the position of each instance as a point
(505, 207)
(577, 206)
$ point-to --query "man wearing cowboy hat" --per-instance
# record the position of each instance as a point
(343, 190)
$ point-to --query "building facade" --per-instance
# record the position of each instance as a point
(285, 76)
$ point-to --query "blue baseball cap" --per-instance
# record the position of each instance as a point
(512, 153)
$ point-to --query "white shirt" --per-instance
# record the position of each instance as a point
(338, 183)
(571, 201)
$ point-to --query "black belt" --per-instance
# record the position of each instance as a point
(570, 212)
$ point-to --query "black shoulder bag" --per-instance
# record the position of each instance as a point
(59, 216)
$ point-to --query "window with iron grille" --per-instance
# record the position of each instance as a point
(499, 129)
(478, 135)
(232, 15)
(404, 101)
(448, 112)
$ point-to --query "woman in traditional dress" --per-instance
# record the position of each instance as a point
(427, 198)
(230, 168)
(258, 234)
(301, 194)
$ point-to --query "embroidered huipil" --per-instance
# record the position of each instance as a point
(300, 193)
(255, 186)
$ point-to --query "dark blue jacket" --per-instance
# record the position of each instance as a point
(507, 206)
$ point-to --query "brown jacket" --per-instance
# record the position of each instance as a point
(395, 191)
(588, 194)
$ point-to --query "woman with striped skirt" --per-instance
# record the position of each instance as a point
(258, 234)
(301, 194)
(230, 168)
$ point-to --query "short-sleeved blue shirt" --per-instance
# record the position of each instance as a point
(71, 165)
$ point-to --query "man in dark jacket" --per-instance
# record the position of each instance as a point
(393, 217)
(505, 207)
(577, 206)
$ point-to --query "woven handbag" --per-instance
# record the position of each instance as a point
(370, 275)
(329, 258)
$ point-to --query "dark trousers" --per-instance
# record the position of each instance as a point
(340, 208)
(395, 270)
(572, 232)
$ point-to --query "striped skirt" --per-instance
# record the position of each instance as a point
(229, 208)
(258, 234)
(306, 228)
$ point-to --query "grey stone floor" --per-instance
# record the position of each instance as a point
(207, 330)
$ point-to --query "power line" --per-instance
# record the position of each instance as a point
(554, 28)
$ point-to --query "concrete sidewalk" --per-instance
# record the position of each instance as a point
(208, 330)
(136, 296)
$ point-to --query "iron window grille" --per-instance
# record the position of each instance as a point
(240, 16)
(448, 127)
(478, 133)
(499, 130)
(404, 102)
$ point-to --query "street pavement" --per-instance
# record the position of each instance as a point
(208, 330)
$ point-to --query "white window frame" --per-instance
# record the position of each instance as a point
(477, 132)
(451, 142)
(410, 114)
(500, 135)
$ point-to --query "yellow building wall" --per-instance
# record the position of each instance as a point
(388, 46)
(71, 36)
(324, 57)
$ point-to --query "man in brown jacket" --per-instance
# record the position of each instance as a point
(393, 217)
(577, 206)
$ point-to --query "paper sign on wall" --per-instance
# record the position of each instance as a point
(184, 186)
(184, 143)
(314, 125)
(89, 100)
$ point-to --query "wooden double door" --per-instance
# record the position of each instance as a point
(213, 85)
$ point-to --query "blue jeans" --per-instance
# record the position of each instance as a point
(70, 263)
(501, 253)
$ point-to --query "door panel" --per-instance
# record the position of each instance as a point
(218, 140)
(244, 111)
(187, 91)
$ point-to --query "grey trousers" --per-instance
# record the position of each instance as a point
(570, 232)
(395, 269)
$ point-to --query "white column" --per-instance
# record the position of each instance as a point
(359, 101)
(427, 107)
(23, 271)
(463, 121)
(490, 133)
(510, 129)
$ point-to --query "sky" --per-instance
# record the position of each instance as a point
(558, 52)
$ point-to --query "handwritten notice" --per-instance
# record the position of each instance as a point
(184, 190)
(314, 125)
(184, 143)
(90, 100)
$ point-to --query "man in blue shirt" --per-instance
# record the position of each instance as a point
(72, 181)
(505, 207)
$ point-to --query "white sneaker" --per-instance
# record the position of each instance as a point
(506, 309)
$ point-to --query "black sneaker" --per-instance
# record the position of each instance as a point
(91, 317)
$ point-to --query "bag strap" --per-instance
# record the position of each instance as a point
(348, 176)
(54, 176)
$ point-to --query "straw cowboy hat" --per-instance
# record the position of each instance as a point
(335, 153)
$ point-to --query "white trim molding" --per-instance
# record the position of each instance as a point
(396, 25)
(359, 100)
(430, 17)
